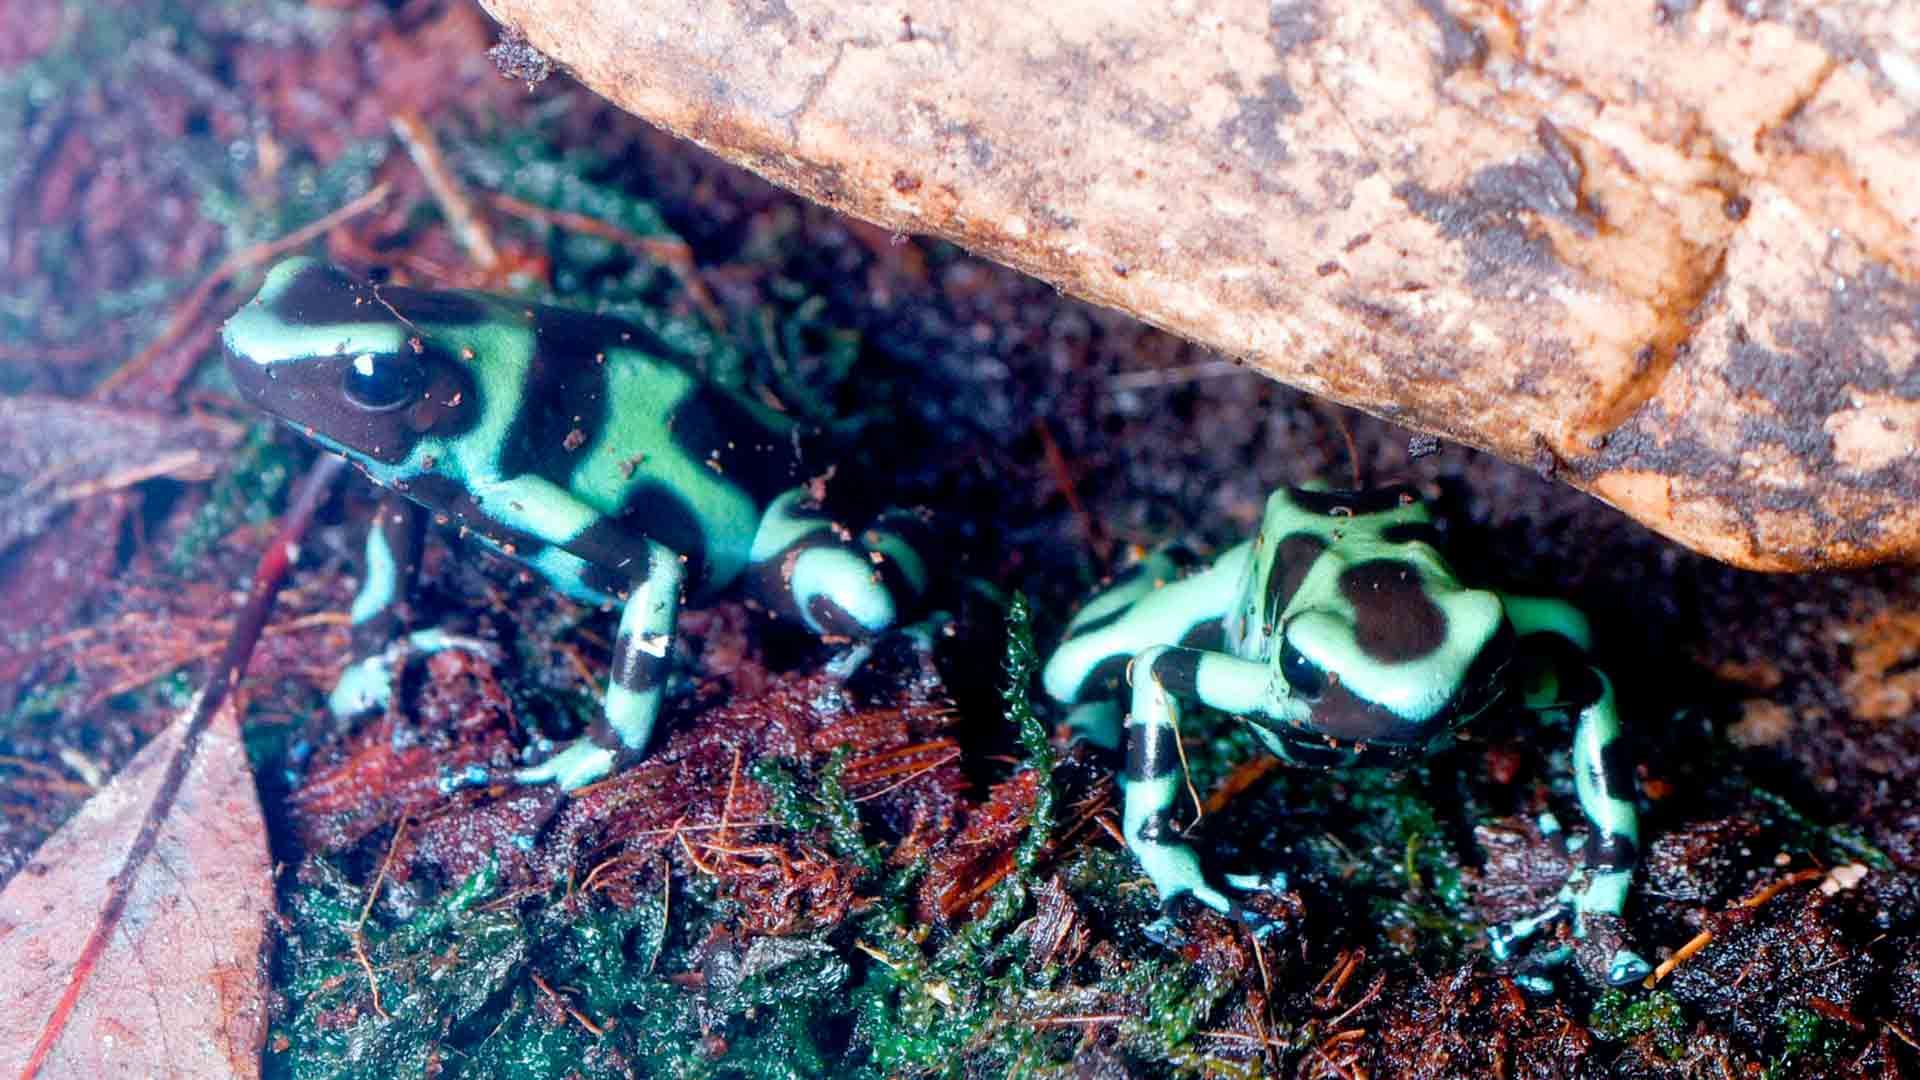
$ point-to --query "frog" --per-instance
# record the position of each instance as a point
(1341, 636)
(584, 448)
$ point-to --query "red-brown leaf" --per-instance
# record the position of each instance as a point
(179, 988)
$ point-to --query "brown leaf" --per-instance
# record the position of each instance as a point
(179, 988)
(54, 451)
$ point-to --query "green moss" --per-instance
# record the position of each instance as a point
(1837, 842)
(482, 987)
(1805, 1037)
(1022, 665)
(843, 817)
(1657, 1015)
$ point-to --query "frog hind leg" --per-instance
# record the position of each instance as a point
(642, 656)
(809, 568)
(1159, 600)
(1162, 676)
(379, 644)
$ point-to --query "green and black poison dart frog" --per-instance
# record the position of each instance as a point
(1341, 637)
(578, 445)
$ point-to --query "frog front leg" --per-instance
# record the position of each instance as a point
(391, 563)
(642, 652)
(1166, 597)
(1161, 677)
(1555, 636)
(1603, 780)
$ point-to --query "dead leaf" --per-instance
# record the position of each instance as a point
(54, 451)
(179, 988)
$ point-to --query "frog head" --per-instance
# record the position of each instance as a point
(358, 368)
(1382, 647)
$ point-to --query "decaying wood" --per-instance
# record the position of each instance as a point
(1668, 251)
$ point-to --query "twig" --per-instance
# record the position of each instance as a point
(1339, 417)
(1186, 774)
(1063, 478)
(1152, 378)
(366, 909)
(598, 1031)
(182, 464)
(424, 149)
(1244, 776)
(952, 755)
(1700, 940)
(695, 859)
(134, 682)
(672, 253)
(1334, 982)
(1836, 1013)
(726, 805)
(1373, 991)
(189, 309)
(666, 911)
(1063, 1021)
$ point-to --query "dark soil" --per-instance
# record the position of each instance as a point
(899, 876)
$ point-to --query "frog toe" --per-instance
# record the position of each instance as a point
(1170, 928)
(1506, 938)
(1258, 923)
(847, 663)
(1606, 953)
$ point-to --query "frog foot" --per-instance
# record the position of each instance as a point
(579, 763)
(367, 684)
(1599, 944)
(847, 663)
(920, 637)
(1167, 929)
(912, 642)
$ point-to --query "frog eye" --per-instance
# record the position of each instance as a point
(381, 383)
(1305, 676)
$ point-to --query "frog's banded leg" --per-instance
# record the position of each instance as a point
(642, 654)
(1153, 602)
(809, 568)
(1162, 676)
(1554, 637)
(392, 561)
(1603, 779)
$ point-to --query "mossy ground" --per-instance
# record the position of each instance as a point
(908, 875)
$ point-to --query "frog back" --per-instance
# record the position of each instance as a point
(1356, 582)
(1309, 545)
(604, 410)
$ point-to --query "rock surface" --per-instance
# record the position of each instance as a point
(1668, 252)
